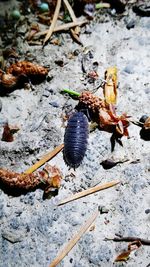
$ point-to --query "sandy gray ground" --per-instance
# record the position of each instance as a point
(40, 228)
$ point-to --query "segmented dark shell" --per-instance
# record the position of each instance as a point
(75, 139)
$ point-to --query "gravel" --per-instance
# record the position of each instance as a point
(33, 230)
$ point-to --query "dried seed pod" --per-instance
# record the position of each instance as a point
(8, 80)
(27, 68)
(49, 177)
(90, 101)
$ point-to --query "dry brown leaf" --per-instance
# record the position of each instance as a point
(134, 245)
(104, 114)
(147, 124)
(8, 132)
(124, 256)
(32, 31)
(8, 80)
(110, 87)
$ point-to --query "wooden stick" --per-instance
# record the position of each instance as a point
(45, 158)
(71, 12)
(62, 27)
(74, 239)
(54, 21)
(88, 192)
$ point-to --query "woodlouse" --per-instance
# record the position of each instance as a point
(75, 139)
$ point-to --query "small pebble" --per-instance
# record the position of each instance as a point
(44, 7)
(54, 104)
(15, 14)
(129, 68)
(130, 24)
(147, 211)
(143, 118)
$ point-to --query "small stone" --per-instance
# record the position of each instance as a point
(103, 209)
(15, 14)
(13, 237)
(3, 121)
(54, 104)
(46, 93)
(147, 211)
(130, 24)
(44, 7)
(129, 68)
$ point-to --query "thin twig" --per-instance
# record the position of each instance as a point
(54, 21)
(88, 192)
(62, 27)
(71, 12)
(45, 158)
(130, 239)
(74, 239)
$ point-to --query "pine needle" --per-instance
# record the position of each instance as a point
(45, 158)
(54, 21)
(63, 27)
(70, 10)
(88, 192)
(74, 239)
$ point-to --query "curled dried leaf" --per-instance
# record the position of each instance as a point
(10, 52)
(134, 245)
(124, 256)
(104, 114)
(8, 133)
(110, 87)
(32, 31)
(147, 124)
(8, 80)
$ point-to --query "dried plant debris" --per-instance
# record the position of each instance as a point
(8, 132)
(145, 124)
(104, 114)
(110, 86)
(109, 163)
(124, 256)
(47, 179)
(16, 72)
(120, 238)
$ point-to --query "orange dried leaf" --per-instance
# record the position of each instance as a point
(8, 80)
(54, 174)
(124, 256)
(110, 87)
(147, 124)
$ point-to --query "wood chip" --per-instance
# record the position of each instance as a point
(45, 158)
(74, 239)
(88, 192)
